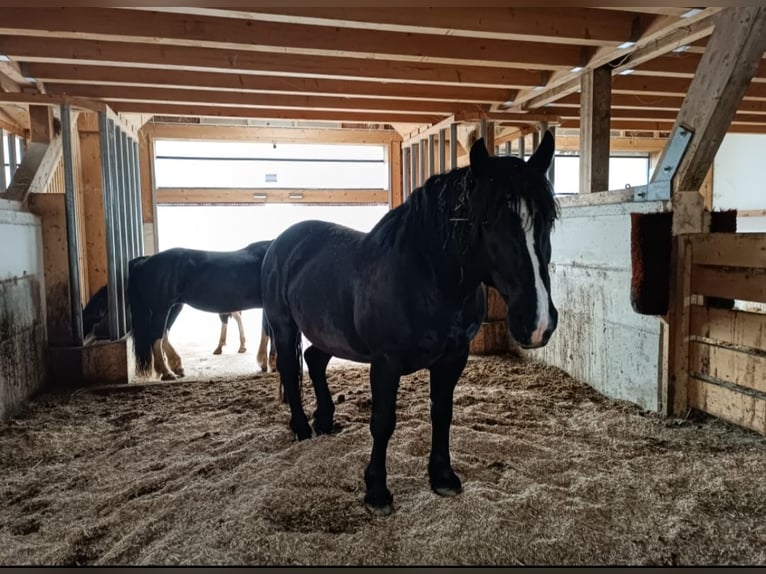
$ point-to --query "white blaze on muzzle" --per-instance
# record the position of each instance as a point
(543, 318)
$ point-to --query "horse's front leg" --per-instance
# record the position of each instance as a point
(443, 377)
(384, 382)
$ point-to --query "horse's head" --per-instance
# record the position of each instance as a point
(517, 210)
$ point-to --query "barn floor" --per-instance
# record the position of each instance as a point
(207, 472)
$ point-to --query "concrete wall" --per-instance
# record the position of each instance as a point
(22, 308)
(600, 340)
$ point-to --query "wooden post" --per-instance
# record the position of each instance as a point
(395, 169)
(431, 155)
(453, 146)
(40, 124)
(415, 158)
(148, 193)
(731, 58)
(406, 173)
(422, 175)
(595, 117)
(521, 147)
(93, 200)
(442, 151)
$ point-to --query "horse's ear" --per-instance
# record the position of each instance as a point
(541, 159)
(479, 156)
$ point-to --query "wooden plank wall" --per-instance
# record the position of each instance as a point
(727, 347)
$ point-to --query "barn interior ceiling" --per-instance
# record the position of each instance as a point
(385, 68)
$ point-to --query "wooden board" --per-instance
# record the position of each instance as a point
(492, 338)
(730, 249)
(735, 327)
(738, 368)
(496, 306)
(732, 283)
(309, 196)
(739, 408)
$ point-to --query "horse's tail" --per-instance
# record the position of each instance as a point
(141, 317)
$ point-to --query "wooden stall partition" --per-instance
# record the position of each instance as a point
(725, 356)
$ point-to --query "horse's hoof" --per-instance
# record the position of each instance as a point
(379, 504)
(242, 350)
(448, 491)
(324, 428)
(179, 372)
(217, 351)
(386, 510)
(448, 485)
(263, 368)
(168, 377)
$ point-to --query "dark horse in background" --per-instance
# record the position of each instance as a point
(95, 311)
(407, 295)
(215, 281)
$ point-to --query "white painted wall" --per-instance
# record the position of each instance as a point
(600, 339)
(22, 309)
(739, 179)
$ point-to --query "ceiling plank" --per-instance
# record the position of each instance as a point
(149, 77)
(236, 61)
(271, 113)
(247, 35)
(585, 26)
(212, 97)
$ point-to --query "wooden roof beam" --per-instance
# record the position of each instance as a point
(234, 82)
(661, 37)
(585, 26)
(56, 56)
(247, 35)
(273, 113)
(211, 97)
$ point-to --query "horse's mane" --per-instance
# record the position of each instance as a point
(446, 208)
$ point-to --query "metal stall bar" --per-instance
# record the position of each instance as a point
(118, 212)
(125, 193)
(11, 139)
(134, 162)
(71, 227)
(3, 184)
(134, 224)
(111, 259)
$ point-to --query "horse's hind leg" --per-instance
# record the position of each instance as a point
(317, 360)
(158, 334)
(288, 341)
(224, 317)
(262, 346)
(238, 318)
(174, 359)
(444, 376)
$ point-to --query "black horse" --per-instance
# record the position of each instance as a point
(215, 281)
(407, 295)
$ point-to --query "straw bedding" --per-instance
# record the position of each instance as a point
(207, 472)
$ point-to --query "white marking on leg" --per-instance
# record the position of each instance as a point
(238, 318)
(159, 362)
(173, 357)
(262, 347)
(221, 339)
(541, 293)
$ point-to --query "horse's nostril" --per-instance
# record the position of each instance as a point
(547, 334)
